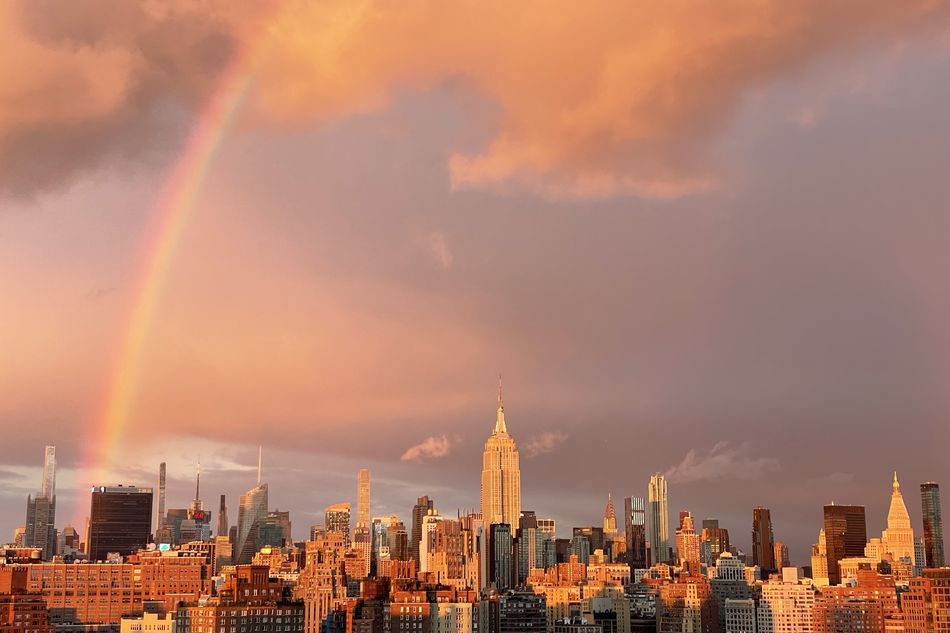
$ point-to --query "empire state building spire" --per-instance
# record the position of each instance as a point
(500, 426)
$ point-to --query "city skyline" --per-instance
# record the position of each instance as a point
(896, 524)
(719, 255)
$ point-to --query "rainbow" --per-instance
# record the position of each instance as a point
(163, 234)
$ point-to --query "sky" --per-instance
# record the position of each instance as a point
(703, 240)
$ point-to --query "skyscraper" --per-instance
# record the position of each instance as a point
(714, 540)
(161, 497)
(48, 486)
(222, 519)
(687, 542)
(252, 513)
(845, 536)
(501, 474)
(763, 540)
(898, 538)
(120, 520)
(634, 517)
(337, 519)
(659, 519)
(41, 510)
(362, 498)
(933, 524)
(610, 517)
(419, 511)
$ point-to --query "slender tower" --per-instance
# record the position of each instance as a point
(659, 533)
(48, 487)
(161, 495)
(362, 498)
(501, 473)
(41, 510)
(196, 503)
(933, 524)
(222, 519)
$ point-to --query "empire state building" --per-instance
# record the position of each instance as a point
(501, 474)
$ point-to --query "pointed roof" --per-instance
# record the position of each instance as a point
(609, 512)
(897, 516)
(500, 426)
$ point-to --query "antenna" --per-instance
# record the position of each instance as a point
(260, 460)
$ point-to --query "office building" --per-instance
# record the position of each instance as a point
(659, 532)
(40, 529)
(634, 516)
(933, 524)
(120, 521)
(419, 511)
(223, 527)
(337, 519)
(845, 536)
(362, 498)
(501, 473)
(763, 540)
(898, 538)
(252, 514)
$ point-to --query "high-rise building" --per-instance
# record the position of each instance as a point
(161, 497)
(120, 521)
(933, 524)
(610, 517)
(41, 510)
(781, 555)
(845, 536)
(222, 529)
(252, 514)
(501, 474)
(687, 542)
(819, 560)
(501, 561)
(362, 498)
(337, 519)
(419, 511)
(634, 517)
(898, 539)
(763, 540)
(659, 532)
(714, 540)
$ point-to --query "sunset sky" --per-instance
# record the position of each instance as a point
(705, 239)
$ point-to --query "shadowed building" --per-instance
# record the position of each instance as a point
(845, 536)
(120, 521)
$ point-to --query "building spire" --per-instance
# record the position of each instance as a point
(500, 426)
(896, 485)
(260, 460)
(198, 480)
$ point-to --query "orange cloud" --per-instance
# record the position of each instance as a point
(595, 99)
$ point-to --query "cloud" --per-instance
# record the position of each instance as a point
(595, 100)
(432, 447)
(723, 461)
(547, 442)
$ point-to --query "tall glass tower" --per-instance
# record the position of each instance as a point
(933, 524)
(659, 532)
